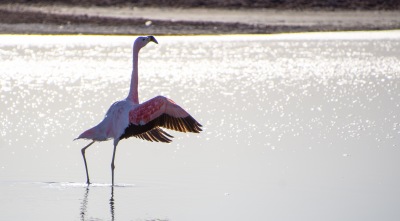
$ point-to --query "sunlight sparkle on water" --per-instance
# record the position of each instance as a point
(287, 118)
(276, 81)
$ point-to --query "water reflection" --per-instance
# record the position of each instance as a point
(84, 204)
(85, 201)
(293, 124)
(112, 203)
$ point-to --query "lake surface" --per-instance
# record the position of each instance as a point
(296, 127)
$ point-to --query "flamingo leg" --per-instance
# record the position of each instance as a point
(84, 159)
(112, 164)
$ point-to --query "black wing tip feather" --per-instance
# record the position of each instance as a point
(186, 124)
(149, 132)
(192, 125)
(155, 135)
(152, 131)
(196, 126)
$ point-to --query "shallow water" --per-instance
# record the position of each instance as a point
(296, 127)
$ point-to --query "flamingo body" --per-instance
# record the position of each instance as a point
(113, 125)
(127, 118)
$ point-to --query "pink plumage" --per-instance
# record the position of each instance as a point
(127, 118)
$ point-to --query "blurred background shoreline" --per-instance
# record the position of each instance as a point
(195, 16)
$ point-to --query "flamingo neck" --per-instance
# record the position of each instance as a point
(133, 92)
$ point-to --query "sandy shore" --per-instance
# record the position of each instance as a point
(66, 19)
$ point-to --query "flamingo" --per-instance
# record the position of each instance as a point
(129, 118)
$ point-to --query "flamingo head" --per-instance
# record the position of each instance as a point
(140, 42)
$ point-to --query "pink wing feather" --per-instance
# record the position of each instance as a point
(154, 108)
(146, 120)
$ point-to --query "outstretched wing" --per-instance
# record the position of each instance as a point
(146, 120)
(155, 134)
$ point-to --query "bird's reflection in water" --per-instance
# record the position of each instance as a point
(85, 200)
(112, 203)
(84, 204)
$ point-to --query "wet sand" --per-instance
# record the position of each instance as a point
(67, 19)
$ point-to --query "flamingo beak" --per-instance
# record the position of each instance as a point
(153, 39)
